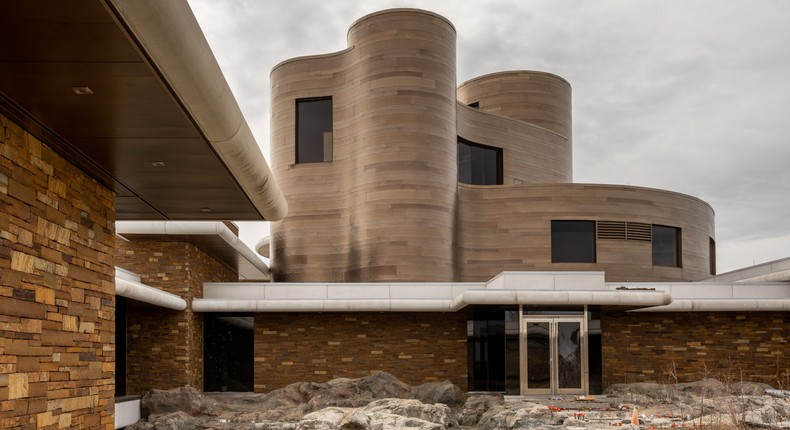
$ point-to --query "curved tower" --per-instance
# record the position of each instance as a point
(379, 205)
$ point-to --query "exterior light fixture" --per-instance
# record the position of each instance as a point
(205, 209)
(83, 91)
(158, 163)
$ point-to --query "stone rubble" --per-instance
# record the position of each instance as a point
(382, 402)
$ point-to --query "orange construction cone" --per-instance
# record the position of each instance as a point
(635, 417)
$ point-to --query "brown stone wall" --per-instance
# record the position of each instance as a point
(317, 347)
(165, 347)
(57, 290)
(652, 347)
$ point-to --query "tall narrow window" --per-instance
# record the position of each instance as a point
(479, 164)
(314, 130)
(666, 246)
(712, 256)
(573, 241)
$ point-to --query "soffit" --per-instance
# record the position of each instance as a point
(131, 120)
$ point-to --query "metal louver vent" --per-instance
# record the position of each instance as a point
(612, 230)
(638, 231)
(622, 230)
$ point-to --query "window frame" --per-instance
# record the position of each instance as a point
(326, 156)
(499, 153)
(555, 242)
(678, 246)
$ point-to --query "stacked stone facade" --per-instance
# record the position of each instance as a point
(165, 347)
(57, 291)
(688, 346)
(415, 347)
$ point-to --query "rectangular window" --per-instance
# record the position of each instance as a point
(479, 164)
(666, 246)
(314, 130)
(573, 241)
(712, 256)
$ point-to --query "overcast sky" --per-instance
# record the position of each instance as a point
(688, 96)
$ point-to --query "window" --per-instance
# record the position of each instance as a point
(573, 241)
(666, 246)
(712, 255)
(479, 164)
(475, 105)
(314, 130)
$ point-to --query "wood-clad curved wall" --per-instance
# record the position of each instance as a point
(538, 98)
(530, 154)
(509, 228)
(388, 206)
(384, 208)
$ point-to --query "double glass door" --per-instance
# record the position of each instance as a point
(554, 355)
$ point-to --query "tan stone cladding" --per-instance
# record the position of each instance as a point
(164, 347)
(57, 291)
(317, 347)
(659, 347)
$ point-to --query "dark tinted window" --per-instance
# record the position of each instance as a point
(479, 164)
(712, 256)
(314, 130)
(666, 246)
(573, 241)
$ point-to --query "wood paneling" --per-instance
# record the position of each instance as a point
(384, 207)
(388, 206)
(537, 98)
(509, 228)
(530, 154)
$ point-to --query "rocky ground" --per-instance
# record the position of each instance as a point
(382, 402)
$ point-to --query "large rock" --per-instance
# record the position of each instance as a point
(521, 415)
(184, 399)
(382, 411)
(439, 392)
(476, 406)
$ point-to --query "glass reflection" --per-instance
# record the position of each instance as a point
(538, 355)
(569, 354)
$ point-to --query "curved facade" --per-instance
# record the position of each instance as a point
(508, 228)
(384, 199)
(383, 207)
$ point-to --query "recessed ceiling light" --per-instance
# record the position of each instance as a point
(206, 209)
(158, 163)
(82, 90)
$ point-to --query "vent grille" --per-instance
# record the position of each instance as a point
(612, 230)
(638, 231)
(622, 230)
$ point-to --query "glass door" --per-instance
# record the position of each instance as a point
(553, 355)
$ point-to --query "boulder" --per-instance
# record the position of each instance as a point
(521, 415)
(355, 420)
(439, 392)
(176, 421)
(383, 411)
(185, 399)
(325, 419)
(476, 406)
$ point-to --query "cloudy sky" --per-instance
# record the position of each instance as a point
(690, 96)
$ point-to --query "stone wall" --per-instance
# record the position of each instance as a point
(317, 347)
(165, 347)
(57, 290)
(659, 347)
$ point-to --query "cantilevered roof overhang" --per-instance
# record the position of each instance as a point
(555, 289)
(212, 237)
(129, 91)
